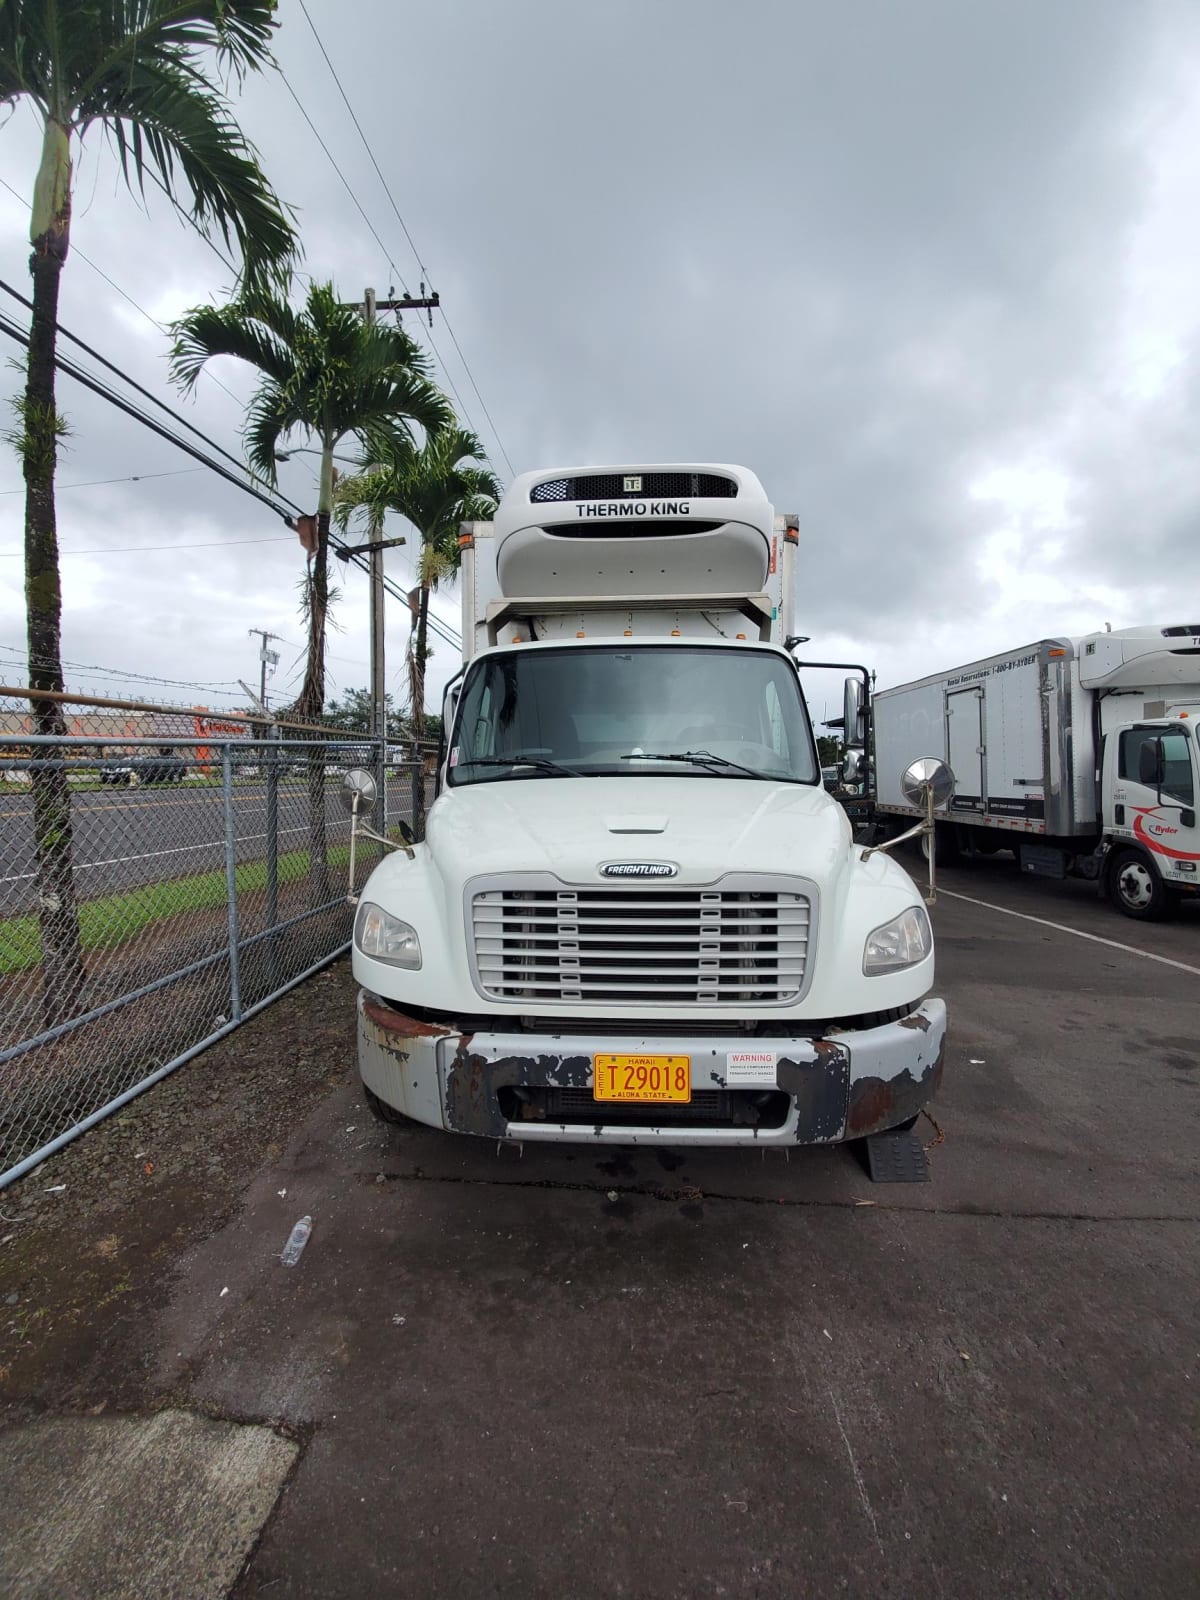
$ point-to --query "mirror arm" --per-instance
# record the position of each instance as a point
(890, 844)
(926, 827)
(357, 827)
(390, 844)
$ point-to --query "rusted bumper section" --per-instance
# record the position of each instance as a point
(846, 1086)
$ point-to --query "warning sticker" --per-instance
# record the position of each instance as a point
(750, 1069)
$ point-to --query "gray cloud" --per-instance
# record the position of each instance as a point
(876, 253)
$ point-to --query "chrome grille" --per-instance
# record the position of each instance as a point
(662, 945)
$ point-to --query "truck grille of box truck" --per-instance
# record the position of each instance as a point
(645, 946)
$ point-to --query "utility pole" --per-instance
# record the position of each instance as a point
(377, 545)
(378, 675)
(267, 658)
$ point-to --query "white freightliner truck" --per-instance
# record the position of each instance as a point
(636, 915)
(1081, 755)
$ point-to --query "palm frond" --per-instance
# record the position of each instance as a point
(165, 118)
(129, 33)
(257, 336)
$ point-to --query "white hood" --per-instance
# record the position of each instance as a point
(705, 826)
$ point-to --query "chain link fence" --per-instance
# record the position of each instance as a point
(161, 881)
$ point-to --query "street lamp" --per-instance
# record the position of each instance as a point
(303, 450)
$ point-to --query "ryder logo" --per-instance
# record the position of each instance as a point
(1152, 830)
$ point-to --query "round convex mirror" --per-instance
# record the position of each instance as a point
(359, 785)
(928, 772)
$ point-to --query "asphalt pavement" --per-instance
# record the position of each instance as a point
(656, 1373)
(126, 837)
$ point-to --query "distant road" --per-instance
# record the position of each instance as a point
(125, 837)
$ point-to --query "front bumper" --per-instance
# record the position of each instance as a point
(507, 1085)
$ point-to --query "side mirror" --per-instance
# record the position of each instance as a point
(854, 722)
(853, 765)
(359, 793)
(927, 784)
(1150, 763)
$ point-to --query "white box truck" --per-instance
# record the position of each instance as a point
(1079, 754)
(636, 915)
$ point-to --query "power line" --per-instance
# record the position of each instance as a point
(97, 387)
(154, 549)
(411, 242)
(137, 477)
(282, 507)
(370, 153)
(142, 390)
(125, 295)
(373, 232)
(404, 228)
(93, 670)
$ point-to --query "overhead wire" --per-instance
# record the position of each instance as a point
(142, 390)
(156, 549)
(135, 477)
(281, 506)
(125, 295)
(404, 228)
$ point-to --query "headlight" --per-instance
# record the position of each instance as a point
(385, 938)
(900, 943)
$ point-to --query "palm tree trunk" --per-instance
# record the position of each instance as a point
(310, 706)
(418, 701)
(63, 974)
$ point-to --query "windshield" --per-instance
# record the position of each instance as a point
(589, 710)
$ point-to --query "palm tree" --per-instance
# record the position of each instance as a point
(137, 69)
(331, 376)
(436, 489)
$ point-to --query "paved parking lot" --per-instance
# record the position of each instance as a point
(637, 1373)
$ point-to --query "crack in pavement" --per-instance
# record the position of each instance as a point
(690, 1193)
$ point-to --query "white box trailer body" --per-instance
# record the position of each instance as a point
(1042, 742)
(636, 915)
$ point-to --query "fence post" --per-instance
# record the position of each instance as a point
(382, 780)
(272, 914)
(235, 974)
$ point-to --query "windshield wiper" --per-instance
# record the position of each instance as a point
(542, 763)
(697, 758)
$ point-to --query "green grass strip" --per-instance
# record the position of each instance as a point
(115, 918)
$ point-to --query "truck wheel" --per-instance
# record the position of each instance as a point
(1136, 889)
(946, 839)
(380, 1109)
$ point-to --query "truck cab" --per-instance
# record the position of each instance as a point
(636, 915)
(1150, 781)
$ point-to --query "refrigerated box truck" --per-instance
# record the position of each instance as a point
(1079, 754)
(636, 915)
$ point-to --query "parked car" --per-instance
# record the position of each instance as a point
(131, 770)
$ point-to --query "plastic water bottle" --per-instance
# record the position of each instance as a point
(297, 1239)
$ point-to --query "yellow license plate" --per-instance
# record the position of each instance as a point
(642, 1078)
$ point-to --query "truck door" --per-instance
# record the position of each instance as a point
(964, 747)
(1154, 799)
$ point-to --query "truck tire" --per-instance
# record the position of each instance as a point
(380, 1109)
(946, 840)
(1136, 889)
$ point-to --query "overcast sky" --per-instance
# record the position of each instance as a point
(928, 268)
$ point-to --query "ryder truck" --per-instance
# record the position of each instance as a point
(636, 915)
(1080, 755)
